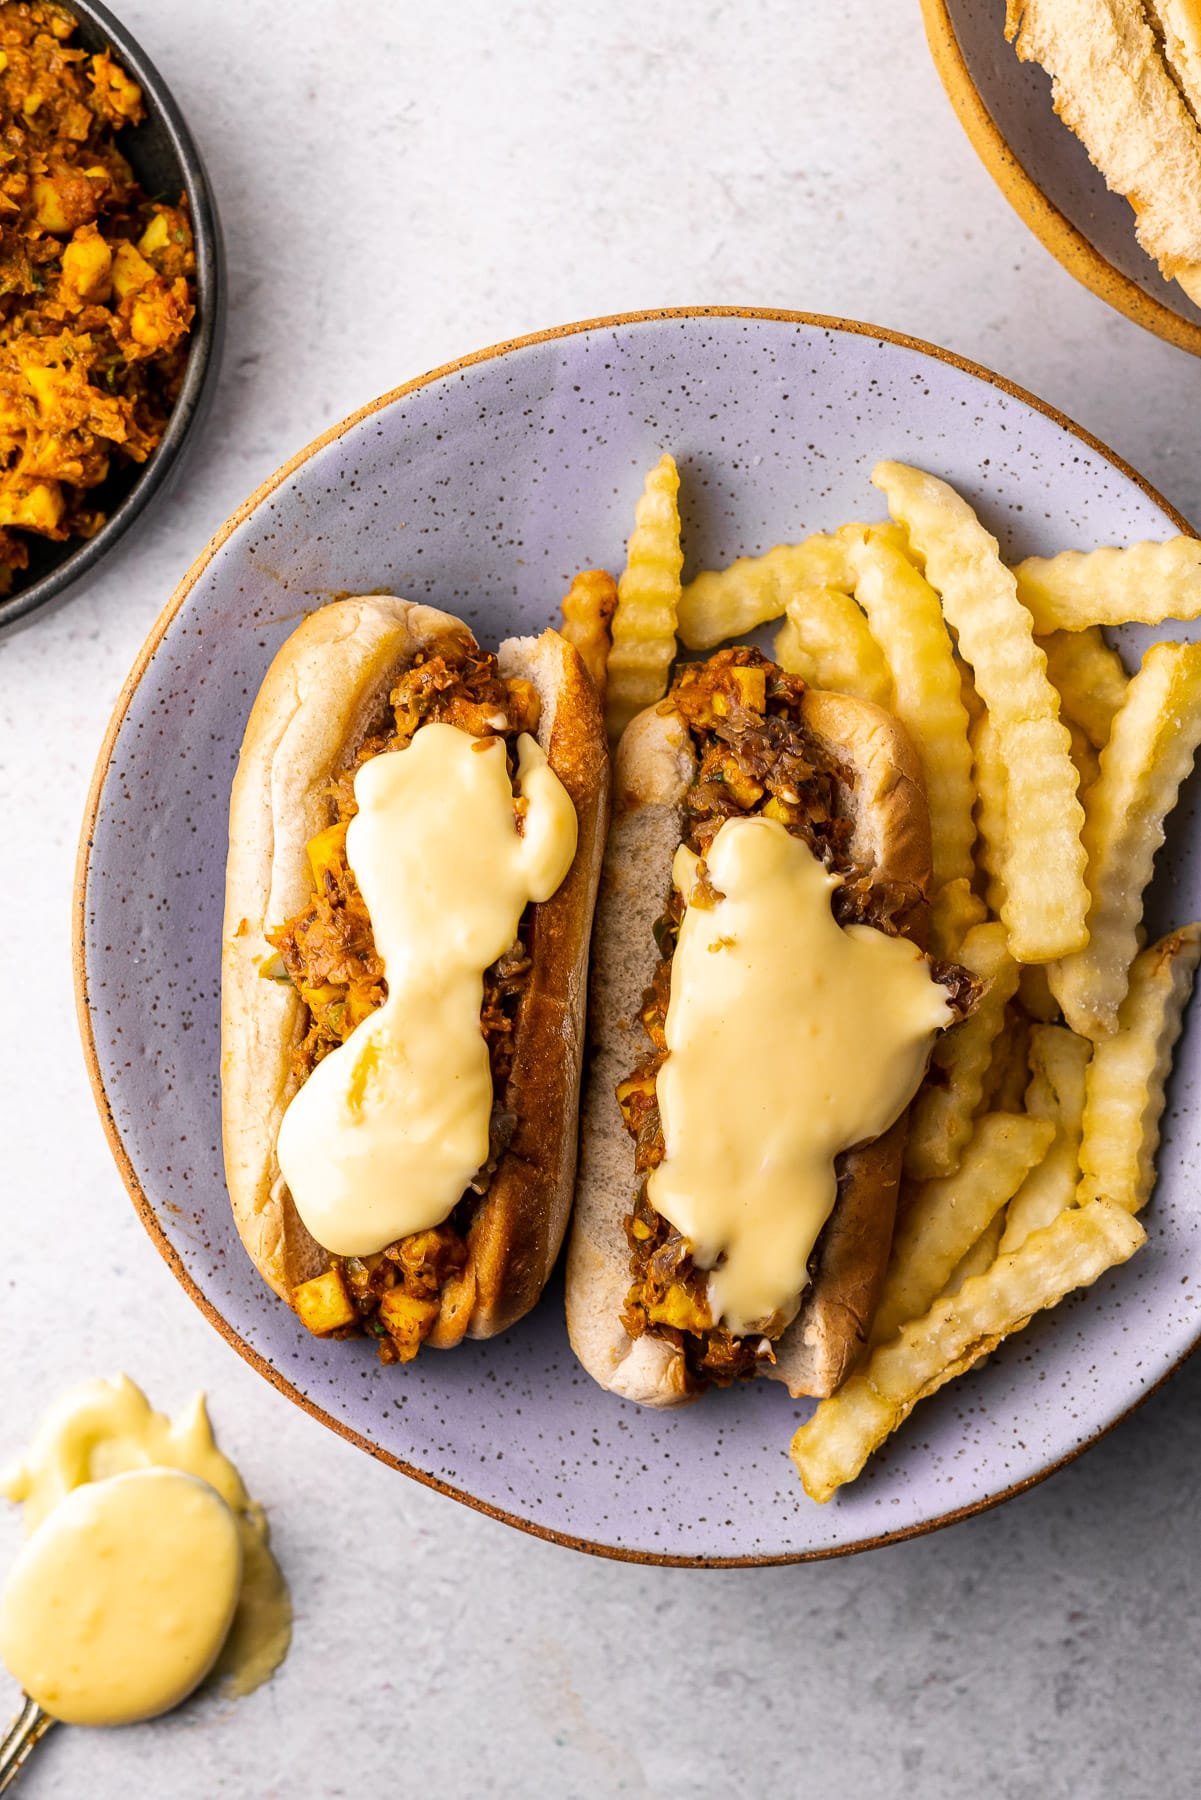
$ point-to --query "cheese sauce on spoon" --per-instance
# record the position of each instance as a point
(118, 1606)
(147, 1565)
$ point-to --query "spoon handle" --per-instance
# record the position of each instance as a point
(21, 1739)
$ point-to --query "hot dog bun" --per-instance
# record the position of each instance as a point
(654, 766)
(322, 692)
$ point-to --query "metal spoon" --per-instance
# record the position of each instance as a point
(20, 1740)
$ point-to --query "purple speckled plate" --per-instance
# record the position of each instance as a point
(1044, 171)
(482, 488)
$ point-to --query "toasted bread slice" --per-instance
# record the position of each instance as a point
(1124, 79)
(1177, 24)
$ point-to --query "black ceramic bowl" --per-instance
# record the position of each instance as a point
(167, 163)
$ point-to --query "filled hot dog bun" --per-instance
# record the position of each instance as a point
(345, 688)
(883, 836)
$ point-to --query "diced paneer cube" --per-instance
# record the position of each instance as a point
(743, 787)
(322, 1304)
(324, 851)
(681, 1310)
(32, 505)
(131, 271)
(752, 687)
(48, 205)
(408, 1321)
(156, 236)
(117, 97)
(359, 1006)
(87, 267)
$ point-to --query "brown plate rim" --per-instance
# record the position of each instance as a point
(145, 1211)
(1066, 242)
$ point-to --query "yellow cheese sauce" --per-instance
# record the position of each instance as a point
(153, 1579)
(389, 1129)
(119, 1604)
(790, 1039)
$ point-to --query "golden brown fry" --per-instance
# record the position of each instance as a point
(588, 608)
(954, 910)
(1059, 1066)
(1150, 750)
(1088, 765)
(906, 620)
(943, 1219)
(1009, 1068)
(1090, 678)
(973, 706)
(825, 638)
(992, 810)
(1034, 992)
(1073, 1251)
(980, 1257)
(1124, 1094)
(941, 1121)
(1144, 583)
(728, 603)
(648, 595)
(1045, 897)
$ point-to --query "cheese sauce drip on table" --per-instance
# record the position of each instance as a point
(790, 1039)
(389, 1129)
(127, 1587)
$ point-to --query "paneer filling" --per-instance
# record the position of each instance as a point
(755, 756)
(327, 951)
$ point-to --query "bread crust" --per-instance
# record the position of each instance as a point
(317, 701)
(654, 766)
(1122, 77)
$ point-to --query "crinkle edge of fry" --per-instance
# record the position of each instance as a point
(828, 1450)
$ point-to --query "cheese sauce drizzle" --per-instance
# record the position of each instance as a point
(389, 1129)
(147, 1563)
(790, 1039)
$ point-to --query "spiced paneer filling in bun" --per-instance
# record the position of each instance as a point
(762, 1014)
(415, 835)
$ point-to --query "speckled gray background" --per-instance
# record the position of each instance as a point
(394, 193)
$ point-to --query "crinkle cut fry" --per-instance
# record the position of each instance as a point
(643, 627)
(906, 620)
(825, 638)
(1143, 584)
(1059, 1066)
(1088, 676)
(942, 1219)
(1046, 900)
(992, 811)
(1150, 751)
(1127, 1078)
(1074, 1251)
(727, 603)
(588, 607)
(940, 1124)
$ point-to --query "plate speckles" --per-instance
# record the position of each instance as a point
(483, 488)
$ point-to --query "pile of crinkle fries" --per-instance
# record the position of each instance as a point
(1049, 773)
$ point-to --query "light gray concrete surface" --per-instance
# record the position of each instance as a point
(400, 184)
